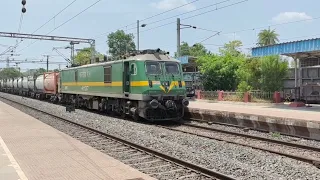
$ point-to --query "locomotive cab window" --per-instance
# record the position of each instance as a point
(133, 69)
(153, 68)
(172, 68)
(76, 75)
(107, 74)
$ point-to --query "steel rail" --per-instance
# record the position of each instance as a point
(256, 137)
(313, 161)
(194, 167)
(243, 127)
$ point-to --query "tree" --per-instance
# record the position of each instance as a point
(120, 43)
(184, 49)
(219, 72)
(232, 48)
(7, 73)
(196, 50)
(273, 71)
(83, 57)
(249, 74)
(41, 71)
(267, 37)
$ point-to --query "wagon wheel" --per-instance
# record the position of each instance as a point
(122, 112)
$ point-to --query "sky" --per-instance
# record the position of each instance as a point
(234, 19)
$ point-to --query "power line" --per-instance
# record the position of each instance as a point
(55, 16)
(148, 18)
(170, 10)
(63, 23)
(20, 23)
(205, 29)
(279, 24)
(209, 37)
(205, 7)
(13, 47)
(261, 27)
(183, 14)
(196, 15)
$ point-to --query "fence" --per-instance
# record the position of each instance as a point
(252, 96)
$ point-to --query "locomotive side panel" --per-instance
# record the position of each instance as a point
(103, 80)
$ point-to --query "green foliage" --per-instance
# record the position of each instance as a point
(120, 43)
(273, 71)
(231, 48)
(196, 50)
(41, 71)
(243, 86)
(232, 70)
(184, 49)
(83, 57)
(276, 134)
(250, 72)
(219, 72)
(267, 37)
(7, 73)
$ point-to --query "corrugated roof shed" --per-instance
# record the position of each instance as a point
(288, 48)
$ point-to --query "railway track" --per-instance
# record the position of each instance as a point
(296, 151)
(146, 160)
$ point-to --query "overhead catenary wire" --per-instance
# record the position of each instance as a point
(18, 43)
(205, 7)
(20, 22)
(102, 34)
(54, 16)
(169, 10)
(197, 15)
(63, 23)
(19, 29)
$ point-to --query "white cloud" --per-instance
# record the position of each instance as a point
(290, 16)
(169, 4)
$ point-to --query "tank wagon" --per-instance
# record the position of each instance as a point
(148, 84)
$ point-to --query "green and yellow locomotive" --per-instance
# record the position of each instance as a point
(148, 84)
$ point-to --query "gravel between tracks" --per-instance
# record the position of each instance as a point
(241, 162)
(252, 142)
(261, 134)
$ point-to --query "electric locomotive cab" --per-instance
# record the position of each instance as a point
(164, 93)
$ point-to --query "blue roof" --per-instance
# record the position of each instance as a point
(288, 48)
(184, 59)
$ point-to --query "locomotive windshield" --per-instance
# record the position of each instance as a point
(172, 68)
(153, 68)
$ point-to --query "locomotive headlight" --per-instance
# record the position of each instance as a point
(185, 102)
(154, 104)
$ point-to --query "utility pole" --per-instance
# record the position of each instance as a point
(7, 62)
(178, 37)
(47, 63)
(138, 35)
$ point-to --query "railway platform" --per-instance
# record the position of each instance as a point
(301, 122)
(32, 150)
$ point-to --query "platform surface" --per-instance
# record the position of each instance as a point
(282, 111)
(32, 150)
